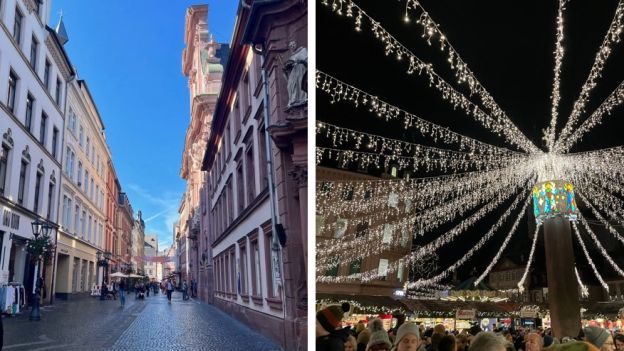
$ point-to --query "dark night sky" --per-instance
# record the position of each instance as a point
(509, 46)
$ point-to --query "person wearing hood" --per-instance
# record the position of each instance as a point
(599, 337)
(329, 335)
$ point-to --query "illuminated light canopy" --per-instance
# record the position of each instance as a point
(554, 198)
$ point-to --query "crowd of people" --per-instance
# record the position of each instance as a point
(408, 336)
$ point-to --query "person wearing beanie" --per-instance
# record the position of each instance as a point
(328, 335)
(573, 346)
(363, 338)
(488, 341)
(379, 341)
(407, 338)
(599, 337)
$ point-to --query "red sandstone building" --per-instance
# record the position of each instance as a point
(246, 241)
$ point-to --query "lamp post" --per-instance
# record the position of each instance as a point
(39, 227)
(102, 261)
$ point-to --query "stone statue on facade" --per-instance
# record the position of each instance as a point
(295, 70)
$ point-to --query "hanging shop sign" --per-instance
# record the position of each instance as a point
(465, 314)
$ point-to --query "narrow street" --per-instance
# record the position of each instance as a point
(91, 324)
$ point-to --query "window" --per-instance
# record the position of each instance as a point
(37, 191)
(76, 219)
(17, 26)
(86, 182)
(243, 268)
(88, 148)
(91, 189)
(46, 74)
(4, 163)
(50, 200)
(355, 266)
(79, 176)
(83, 224)
(54, 141)
(67, 207)
(240, 189)
(30, 102)
(262, 157)
(81, 136)
(34, 47)
(38, 7)
(257, 282)
(332, 271)
(249, 168)
(89, 229)
(22, 182)
(382, 270)
(58, 92)
(72, 121)
(13, 79)
(230, 201)
(42, 129)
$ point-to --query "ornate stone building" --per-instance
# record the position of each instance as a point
(255, 198)
(204, 70)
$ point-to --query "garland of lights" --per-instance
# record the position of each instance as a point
(528, 267)
(556, 97)
(601, 218)
(500, 126)
(412, 163)
(498, 255)
(612, 36)
(591, 262)
(584, 290)
(341, 91)
(615, 99)
(468, 255)
(611, 203)
(462, 72)
(601, 248)
(352, 250)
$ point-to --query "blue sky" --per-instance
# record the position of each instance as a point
(129, 52)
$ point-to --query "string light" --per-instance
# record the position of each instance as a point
(499, 125)
(463, 74)
(612, 36)
(341, 91)
(601, 218)
(591, 262)
(528, 266)
(497, 257)
(601, 248)
(468, 255)
(615, 99)
(556, 97)
(584, 290)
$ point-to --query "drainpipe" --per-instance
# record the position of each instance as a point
(276, 252)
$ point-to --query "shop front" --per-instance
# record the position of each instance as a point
(76, 265)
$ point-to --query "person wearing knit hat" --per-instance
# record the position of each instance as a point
(328, 335)
(599, 337)
(407, 338)
(364, 336)
(379, 341)
(573, 346)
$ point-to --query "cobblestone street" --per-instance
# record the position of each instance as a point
(90, 324)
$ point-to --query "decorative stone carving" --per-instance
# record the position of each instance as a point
(7, 139)
(296, 69)
(300, 175)
(26, 154)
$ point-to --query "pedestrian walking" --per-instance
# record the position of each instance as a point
(103, 291)
(184, 290)
(122, 292)
(169, 285)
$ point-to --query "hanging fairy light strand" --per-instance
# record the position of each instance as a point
(601, 218)
(584, 290)
(613, 36)
(601, 248)
(340, 91)
(615, 99)
(497, 257)
(463, 74)
(556, 97)
(468, 255)
(530, 261)
(589, 259)
(499, 125)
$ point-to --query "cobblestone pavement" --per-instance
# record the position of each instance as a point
(90, 324)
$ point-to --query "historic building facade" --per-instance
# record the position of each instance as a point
(83, 211)
(138, 241)
(151, 258)
(255, 199)
(203, 69)
(34, 72)
(125, 223)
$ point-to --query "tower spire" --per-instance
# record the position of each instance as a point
(61, 33)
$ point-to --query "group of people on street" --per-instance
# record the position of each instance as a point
(408, 336)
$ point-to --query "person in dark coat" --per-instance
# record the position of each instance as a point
(328, 335)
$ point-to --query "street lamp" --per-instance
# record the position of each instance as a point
(39, 227)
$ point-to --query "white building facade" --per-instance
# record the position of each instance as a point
(34, 71)
(83, 191)
(151, 257)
